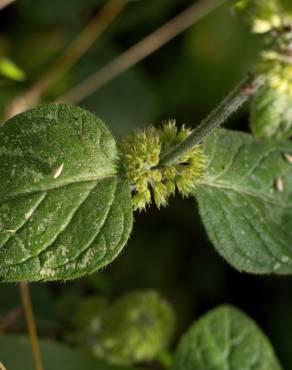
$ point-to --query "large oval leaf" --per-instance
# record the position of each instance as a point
(63, 213)
(245, 200)
(225, 339)
(54, 355)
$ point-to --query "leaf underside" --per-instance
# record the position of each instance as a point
(245, 201)
(66, 226)
(225, 339)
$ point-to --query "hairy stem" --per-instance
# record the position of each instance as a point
(28, 310)
(226, 108)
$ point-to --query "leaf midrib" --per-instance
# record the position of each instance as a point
(34, 192)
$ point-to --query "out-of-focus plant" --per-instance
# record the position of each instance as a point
(271, 115)
(10, 70)
(135, 328)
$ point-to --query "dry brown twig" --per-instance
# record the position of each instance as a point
(141, 50)
(2, 367)
(70, 56)
(4, 3)
(119, 65)
(30, 320)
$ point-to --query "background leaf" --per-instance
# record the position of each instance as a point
(224, 339)
(10, 70)
(135, 329)
(55, 356)
(245, 201)
(63, 214)
(271, 114)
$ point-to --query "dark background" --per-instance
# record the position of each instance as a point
(169, 250)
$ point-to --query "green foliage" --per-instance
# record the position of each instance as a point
(87, 314)
(45, 14)
(66, 189)
(287, 5)
(122, 109)
(63, 211)
(66, 213)
(245, 201)
(9, 70)
(211, 55)
(135, 328)
(15, 353)
(224, 339)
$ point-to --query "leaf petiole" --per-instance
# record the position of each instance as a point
(29, 315)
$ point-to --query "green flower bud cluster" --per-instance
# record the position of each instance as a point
(263, 15)
(136, 328)
(271, 108)
(140, 156)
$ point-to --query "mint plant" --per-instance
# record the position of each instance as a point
(58, 152)
(69, 192)
(46, 212)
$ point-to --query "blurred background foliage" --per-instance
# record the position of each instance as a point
(169, 250)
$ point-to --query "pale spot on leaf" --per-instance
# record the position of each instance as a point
(279, 185)
(58, 171)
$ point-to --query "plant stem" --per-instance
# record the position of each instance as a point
(141, 50)
(2, 367)
(28, 310)
(4, 3)
(226, 108)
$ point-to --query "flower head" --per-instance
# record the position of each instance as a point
(140, 156)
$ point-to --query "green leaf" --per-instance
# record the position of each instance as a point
(225, 339)
(10, 70)
(55, 356)
(245, 201)
(271, 114)
(63, 213)
(287, 5)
